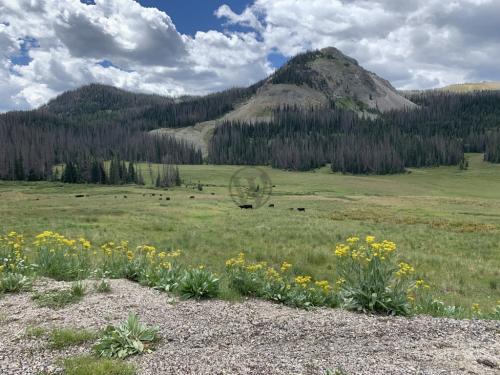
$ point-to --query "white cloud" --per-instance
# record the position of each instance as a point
(147, 52)
(417, 44)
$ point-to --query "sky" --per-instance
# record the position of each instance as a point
(174, 47)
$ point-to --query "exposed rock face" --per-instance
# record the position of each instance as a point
(320, 78)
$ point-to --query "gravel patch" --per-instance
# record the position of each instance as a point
(252, 337)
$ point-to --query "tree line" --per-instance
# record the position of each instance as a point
(437, 133)
(95, 172)
(98, 122)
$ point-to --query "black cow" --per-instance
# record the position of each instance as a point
(191, 197)
(301, 209)
(167, 198)
(246, 206)
(80, 195)
(271, 205)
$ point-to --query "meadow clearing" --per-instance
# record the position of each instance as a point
(445, 221)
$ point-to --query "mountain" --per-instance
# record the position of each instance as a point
(320, 108)
(323, 79)
(472, 87)
(95, 98)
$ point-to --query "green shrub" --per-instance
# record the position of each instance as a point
(64, 337)
(199, 283)
(96, 366)
(57, 299)
(131, 337)
(260, 280)
(427, 305)
(276, 290)
(250, 279)
(14, 283)
(495, 314)
(61, 258)
(168, 279)
(309, 297)
(371, 280)
(117, 260)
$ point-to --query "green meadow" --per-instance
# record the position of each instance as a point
(445, 221)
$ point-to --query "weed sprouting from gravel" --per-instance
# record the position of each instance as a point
(96, 366)
(102, 286)
(35, 332)
(129, 338)
(57, 299)
(63, 337)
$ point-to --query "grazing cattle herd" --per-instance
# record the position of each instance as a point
(242, 206)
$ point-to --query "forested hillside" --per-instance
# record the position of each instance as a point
(437, 133)
(321, 107)
(101, 122)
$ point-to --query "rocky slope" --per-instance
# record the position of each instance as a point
(318, 79)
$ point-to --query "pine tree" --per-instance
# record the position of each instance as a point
(19, 169)
(131, 178)
(114, 172)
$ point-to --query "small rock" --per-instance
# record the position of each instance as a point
(487, 362)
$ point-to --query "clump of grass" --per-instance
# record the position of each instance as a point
(57, 299)
(35, 332)
(78, 289)
(64, 337)
(14, 283)
(199, 283)
(129, 338)
(88, 365)
(102, 286)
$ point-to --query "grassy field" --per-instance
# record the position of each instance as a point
(446, 222)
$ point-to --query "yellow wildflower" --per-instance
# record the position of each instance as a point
(271, 273)
(370, 239)
(476, 309)
(303, 280)
(404, 269)
(341, 250)
(254, 267)
(323, 284)
(285, 266)
(352, 240)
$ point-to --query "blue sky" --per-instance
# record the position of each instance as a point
(190, 16)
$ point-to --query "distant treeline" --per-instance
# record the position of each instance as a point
(94, 171)
(438, 133)
(118, 172)
(100, 122)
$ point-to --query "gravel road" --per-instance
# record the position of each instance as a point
(251, 337)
